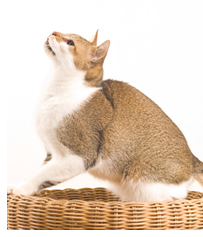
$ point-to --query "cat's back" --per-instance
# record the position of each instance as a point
(128, 102)
(135, 115)
(121, 94)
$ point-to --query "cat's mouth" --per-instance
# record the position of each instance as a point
(48, 46)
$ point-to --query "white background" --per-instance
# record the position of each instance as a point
(156, 46)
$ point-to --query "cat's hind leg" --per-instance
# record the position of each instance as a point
(143, 191)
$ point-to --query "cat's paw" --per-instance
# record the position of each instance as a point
(19, 190)
(13, 189)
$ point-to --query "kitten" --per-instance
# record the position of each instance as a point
(107, 128)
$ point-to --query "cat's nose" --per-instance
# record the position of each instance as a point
(58, 34)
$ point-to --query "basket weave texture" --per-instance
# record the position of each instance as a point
(82, 209)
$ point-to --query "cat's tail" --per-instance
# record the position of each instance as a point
(197, 185)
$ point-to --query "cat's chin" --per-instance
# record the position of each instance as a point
(48, 48)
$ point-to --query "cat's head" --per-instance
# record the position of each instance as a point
(72, 52)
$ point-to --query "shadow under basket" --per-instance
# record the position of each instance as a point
(99, 209)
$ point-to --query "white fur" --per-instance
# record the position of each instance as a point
(142, 191)
(196, 186)
(65, 93)
(62, 97)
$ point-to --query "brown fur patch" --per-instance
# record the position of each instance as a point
(126, 127)
(198, 165)
(94, 76)
(82, 131)
(48, 158)
(47, 184)
(199, 178)
(141, 134)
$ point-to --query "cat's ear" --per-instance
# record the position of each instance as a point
(94, 39)
(101, 52)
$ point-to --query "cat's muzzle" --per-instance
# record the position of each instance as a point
(48, 46)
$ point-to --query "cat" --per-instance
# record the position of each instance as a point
(108, 128)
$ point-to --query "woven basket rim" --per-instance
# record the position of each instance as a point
(53, 200)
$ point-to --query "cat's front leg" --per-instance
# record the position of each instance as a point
(57, 170)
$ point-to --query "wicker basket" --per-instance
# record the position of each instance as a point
(97, 209)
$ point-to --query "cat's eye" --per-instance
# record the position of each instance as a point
(70, 42)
